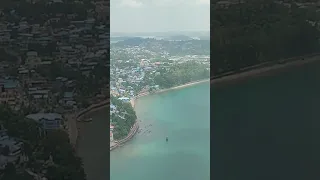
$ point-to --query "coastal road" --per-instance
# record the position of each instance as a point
(72, 128)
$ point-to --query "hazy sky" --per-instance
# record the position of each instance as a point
(159, 15)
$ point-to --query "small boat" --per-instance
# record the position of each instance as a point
(167, 139)
(87, 120)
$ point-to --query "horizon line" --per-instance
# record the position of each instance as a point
(161, 31)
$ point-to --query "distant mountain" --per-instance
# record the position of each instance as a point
(163, 34)
(178, 38)
(136, 41)
(119, 38)
(182, 47)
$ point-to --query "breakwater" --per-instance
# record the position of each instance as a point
(93, 107)
(132, 132)
(72, 120)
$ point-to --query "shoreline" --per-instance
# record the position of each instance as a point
(135, 127)
(72, 120)
(192, 83)
(264, 69)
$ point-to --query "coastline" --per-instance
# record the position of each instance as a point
(169, 89)
(72, 120)
(135, 127)
(264, 69)
(269, 68)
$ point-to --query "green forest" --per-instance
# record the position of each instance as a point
(258, 31)
(123, 120)
(183, 73)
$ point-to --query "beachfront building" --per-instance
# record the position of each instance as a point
(111, 133)
(47, 120)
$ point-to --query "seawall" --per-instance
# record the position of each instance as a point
(91, 108)
(132, 132)
(72, 118)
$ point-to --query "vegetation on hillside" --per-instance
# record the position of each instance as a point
(173, 48)
(39, 149)
(259, 31)
(179, 74)
(124, 119)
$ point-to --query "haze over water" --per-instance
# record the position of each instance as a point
(184, 116)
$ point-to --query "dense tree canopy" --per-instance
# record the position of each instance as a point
(258, 31)
(124, 120)
(179, 74)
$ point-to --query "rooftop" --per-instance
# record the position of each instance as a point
(48, 116)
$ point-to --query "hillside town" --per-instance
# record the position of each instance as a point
(137, 69)
(52, 65)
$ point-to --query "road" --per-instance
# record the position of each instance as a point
(72, 128)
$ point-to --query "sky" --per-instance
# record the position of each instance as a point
(132, 16)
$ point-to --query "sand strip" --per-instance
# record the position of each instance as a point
(270, 69)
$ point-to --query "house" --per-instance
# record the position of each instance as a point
(48, 121)
(32, 59)
(10, 149)
(68, 100)
(9, 91)
(38, 93)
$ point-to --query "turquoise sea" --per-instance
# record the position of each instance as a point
(183, 116)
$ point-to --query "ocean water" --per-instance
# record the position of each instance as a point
(268, 127)
(183, 116)
(91, 148)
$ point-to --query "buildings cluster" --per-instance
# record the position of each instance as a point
(10, 149)
(28, 49)
(127, 74)
(33, 56)
(132, 70)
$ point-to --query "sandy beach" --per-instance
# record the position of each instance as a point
(181, 86)
(168, 89)
(265, 71)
